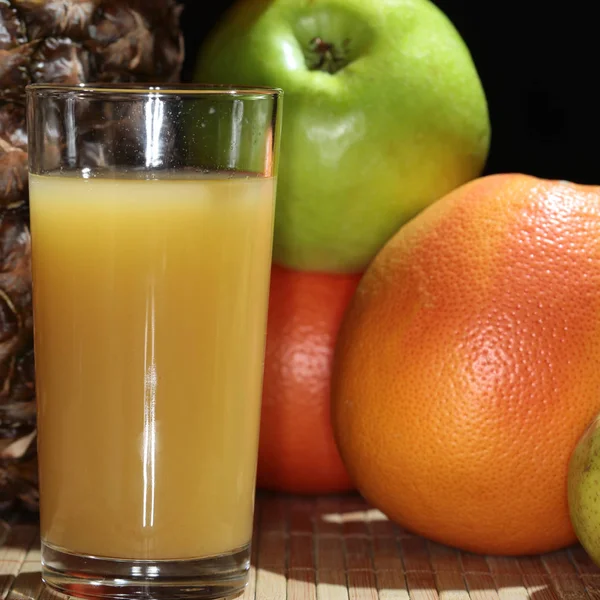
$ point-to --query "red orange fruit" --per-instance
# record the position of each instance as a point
(297, 452)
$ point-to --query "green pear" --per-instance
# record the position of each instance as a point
(584, 490)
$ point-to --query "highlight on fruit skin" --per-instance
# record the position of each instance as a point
(466, 367)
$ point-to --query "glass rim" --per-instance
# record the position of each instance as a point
(142, 90)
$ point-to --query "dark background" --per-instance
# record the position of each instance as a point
(538, 65)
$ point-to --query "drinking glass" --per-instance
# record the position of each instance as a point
(152, 222)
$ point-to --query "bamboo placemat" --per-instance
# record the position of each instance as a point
(338, 548)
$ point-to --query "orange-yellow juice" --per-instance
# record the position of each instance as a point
(150, 300)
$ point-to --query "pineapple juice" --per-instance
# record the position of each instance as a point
(150, 304)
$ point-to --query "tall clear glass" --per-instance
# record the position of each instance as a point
(152, 223)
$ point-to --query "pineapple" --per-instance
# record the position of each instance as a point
(56, 41)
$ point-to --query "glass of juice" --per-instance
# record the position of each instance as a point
(152, 222)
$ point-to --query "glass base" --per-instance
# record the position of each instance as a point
(83, 576)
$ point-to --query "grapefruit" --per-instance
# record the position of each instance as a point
(467, 364)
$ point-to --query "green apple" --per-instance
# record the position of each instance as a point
(384, 114)
(583, 485)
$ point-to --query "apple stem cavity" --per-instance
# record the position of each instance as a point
(327, 57)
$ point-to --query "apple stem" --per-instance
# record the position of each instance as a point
(326, 57)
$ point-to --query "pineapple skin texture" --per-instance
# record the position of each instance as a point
(69, 42)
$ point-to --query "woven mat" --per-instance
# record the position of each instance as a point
(337, 548)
